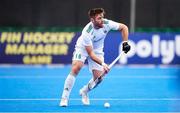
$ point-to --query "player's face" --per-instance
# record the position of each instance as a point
(98, 20)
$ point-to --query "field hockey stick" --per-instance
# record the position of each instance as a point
(99, 79)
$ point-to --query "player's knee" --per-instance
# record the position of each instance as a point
(97, 74)
(76, 69)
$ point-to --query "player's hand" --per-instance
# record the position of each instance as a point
(105, 67)
(126, 47)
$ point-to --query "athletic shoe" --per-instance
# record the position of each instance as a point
(85, 98)
(64, 102)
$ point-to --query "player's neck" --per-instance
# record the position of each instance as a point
(96, 27)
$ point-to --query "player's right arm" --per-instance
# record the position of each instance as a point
(93, 56)
(88, 44)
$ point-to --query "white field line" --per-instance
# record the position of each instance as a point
(85, 77)
(89, 112)
(93, 99)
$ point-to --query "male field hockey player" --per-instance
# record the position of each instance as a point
(90, 46)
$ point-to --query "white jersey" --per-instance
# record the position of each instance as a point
(95, 37)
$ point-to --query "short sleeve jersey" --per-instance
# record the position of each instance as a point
(95, 37)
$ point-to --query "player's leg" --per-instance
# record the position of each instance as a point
(96, 74)
(84, 91)
(96, 70)
(77, 64)
(69, 82)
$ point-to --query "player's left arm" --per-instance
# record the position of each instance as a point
(125, 33)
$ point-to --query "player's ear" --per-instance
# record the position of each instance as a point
(92, 19)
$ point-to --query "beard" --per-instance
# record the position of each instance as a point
(100, 25)
(97, 25)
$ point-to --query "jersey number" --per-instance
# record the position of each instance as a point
(78, 56)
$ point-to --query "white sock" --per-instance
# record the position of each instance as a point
(86, 87)
(68, 85)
